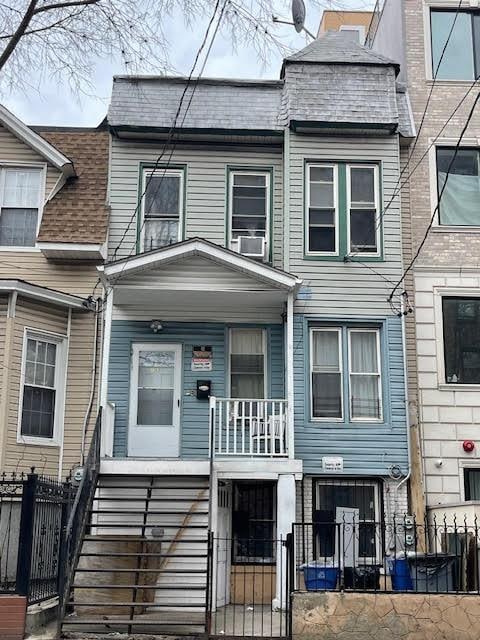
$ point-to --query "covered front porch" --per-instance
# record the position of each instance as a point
(198, 356)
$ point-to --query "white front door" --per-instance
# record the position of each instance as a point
(224, 543)
(154, 416)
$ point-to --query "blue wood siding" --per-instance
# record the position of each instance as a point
(366, 448)
(194, 413)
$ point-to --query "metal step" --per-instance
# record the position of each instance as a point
(139, 604)
(127, 538)
(148, 512)
(159, 571)
(146, 498)
(179, 587)
(147, 525)
(125, 554)
(128, 621)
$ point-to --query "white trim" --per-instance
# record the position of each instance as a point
(205, 249)
(326, 165)
(67, 356)
(265, 359)
(290, 356)
(43, 294)
(34, 140)
(147, 172)
(359, 28)
(107, 324)
(339, 332)
(378, 227)
(73, 247)
(233, 244)
(59, 386)
(378, 373)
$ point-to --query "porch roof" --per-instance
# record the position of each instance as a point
(122, 270)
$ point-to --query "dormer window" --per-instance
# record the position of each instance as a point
(20, 192)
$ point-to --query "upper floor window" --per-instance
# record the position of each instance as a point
(460, 203)
(461, 340)
(20, 190)
(162, 208)
(459, 59)
(342, 209)
(472, 484)
(41, 381)
(249, 198)
(334, 350)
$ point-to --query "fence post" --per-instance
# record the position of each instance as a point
(66, 504)
(25, 543)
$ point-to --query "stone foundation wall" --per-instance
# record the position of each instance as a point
(385, 616)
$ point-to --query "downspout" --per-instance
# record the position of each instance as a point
(7, 354)
(286, 200)
(93, 375)
(67, 355)
(407, 405)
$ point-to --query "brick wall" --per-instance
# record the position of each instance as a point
(12, 617)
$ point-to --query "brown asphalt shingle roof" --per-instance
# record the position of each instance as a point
(78, 212)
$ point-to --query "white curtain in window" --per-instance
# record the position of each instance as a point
(365, 400)
(460, 204)
(22, 188)
(364, 352)
(325, 350)
(247, 341)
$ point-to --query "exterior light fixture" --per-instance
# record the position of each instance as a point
(156, 326)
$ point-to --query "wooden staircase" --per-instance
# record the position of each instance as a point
(143, 562)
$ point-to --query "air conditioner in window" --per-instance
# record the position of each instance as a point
(252, 246)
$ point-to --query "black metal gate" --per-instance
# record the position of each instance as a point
(249, 587)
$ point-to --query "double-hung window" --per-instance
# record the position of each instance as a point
(249, 198)
(247, 363)
(461, 340)
(455, 44)
(20, 193)
(41, 390)
(460, 191)
(356, 350)
(342, 210)
(162, 208)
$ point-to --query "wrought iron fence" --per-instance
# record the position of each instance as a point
(33, 510)
(442, 556)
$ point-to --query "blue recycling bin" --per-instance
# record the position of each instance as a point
(399, 570)
(319, 576)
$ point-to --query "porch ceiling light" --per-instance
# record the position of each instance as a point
(156, 326)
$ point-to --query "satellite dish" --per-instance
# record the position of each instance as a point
(298, 14)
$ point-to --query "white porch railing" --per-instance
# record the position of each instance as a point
(241, 427)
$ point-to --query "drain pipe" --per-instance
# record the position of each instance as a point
(93, 375)
(67, 356)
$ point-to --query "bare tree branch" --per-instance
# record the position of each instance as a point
(16, 37)
(63, 5)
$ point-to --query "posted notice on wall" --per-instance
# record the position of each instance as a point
(332, 464)
(202, 358)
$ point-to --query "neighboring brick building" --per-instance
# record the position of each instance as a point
(446, 274)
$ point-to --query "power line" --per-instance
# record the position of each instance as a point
(430, 224)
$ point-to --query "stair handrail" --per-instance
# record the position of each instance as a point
(78, 519)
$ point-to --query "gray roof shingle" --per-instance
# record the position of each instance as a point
(216, 104)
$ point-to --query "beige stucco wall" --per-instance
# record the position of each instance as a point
(74, 278)
(385, 616)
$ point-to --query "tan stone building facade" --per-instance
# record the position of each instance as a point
(434, 42)
(53, 226)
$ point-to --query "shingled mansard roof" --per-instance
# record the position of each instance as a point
(331, 81)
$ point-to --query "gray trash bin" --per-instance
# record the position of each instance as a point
(432, 572)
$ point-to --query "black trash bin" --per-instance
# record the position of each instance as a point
(432, 572)
(362, 577)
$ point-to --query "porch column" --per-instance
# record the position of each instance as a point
(289, 369)
(285, 519)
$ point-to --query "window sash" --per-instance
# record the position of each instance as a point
(325, 369)
(372, 207)
(236, 373)
(456, 45)
(169, 225)
(375, 374)
(261, 217)
(461, 195)
(461, 332)
(309, 208)
(23, 198)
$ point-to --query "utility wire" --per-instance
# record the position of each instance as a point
(430, 224)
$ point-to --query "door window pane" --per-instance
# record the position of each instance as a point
(156, 382)
(365, 398)
(457, 62)
(461, 340)
(39, 392)
(253, 522)
(460, 203)
(321, 209)
(326, 374)
(162, 208)
(247, 363)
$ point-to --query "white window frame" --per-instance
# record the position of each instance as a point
(147, 172)
(60, 387)
(352, 330)
(375, 167)
(339, 332)
(355, 27)
(32, 166)
(265, 360)
(326, 165)
(378, 508)
(233, 244)
(428, 5)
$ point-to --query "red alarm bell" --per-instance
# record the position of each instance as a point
(468, 446)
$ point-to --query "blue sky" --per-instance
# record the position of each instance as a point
(55, 104)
